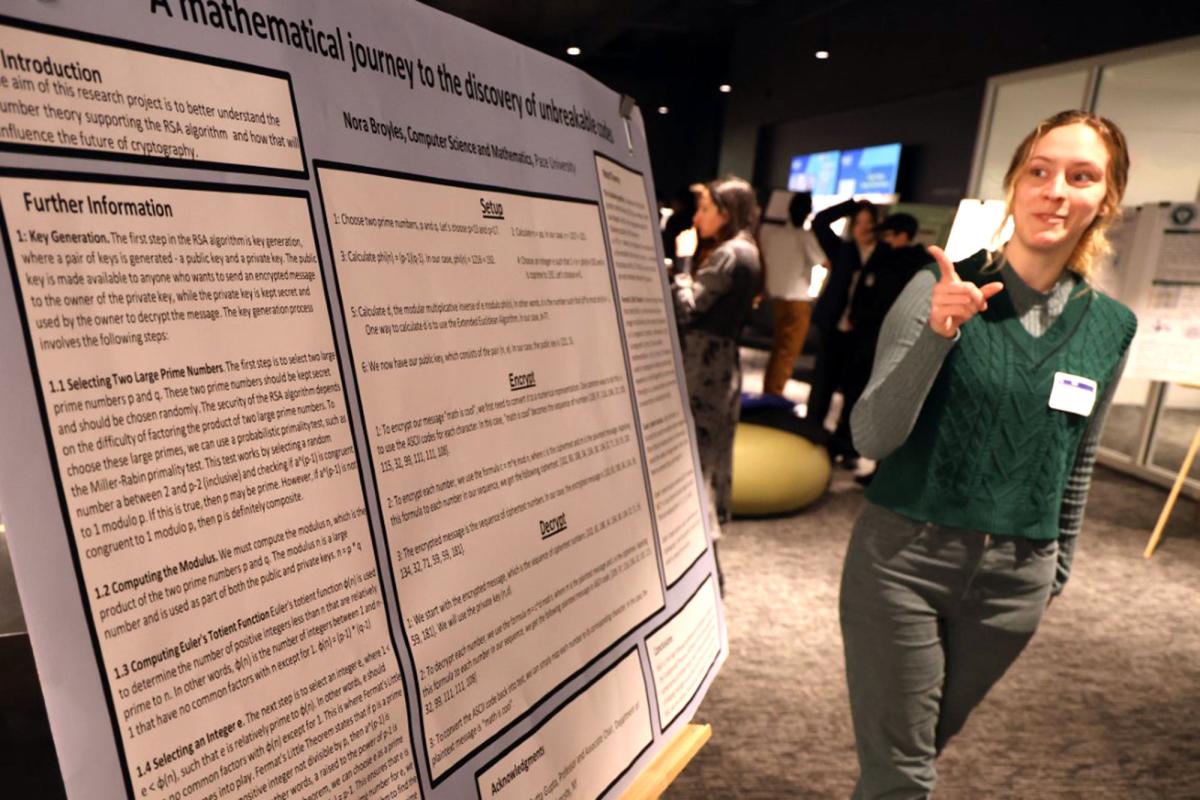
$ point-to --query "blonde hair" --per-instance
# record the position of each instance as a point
(1093, 244)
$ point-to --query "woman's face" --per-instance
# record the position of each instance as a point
(708, 219)
(864, 228)
(1060, 189)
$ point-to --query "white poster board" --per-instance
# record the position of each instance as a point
(1158, 260)
(978, 225)
(347, 451)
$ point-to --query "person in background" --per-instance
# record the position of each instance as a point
(895, 261)
(835, 355)
(711, 306)
(792, 252)
(988, 395)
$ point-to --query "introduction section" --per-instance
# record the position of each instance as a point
(134, 103)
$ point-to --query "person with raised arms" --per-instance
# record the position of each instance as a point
(985, 405)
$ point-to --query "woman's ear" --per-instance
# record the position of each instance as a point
(1109, 209)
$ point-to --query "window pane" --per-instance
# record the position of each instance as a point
(1020, 106)
(1177, 425)
(1156, 102)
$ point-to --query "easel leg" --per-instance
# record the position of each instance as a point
(1170, 504)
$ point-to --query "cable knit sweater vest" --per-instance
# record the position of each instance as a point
(987, 452)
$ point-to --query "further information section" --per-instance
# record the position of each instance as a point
(194, 402)
(494, 393)
(660, 402)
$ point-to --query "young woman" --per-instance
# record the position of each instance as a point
(985, 405)
(711, 306)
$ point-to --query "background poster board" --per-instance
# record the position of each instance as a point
(347, 448)
(1157, 259)
(977, 226)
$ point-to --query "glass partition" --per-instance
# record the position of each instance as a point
(1019, 106)
(1177, 424)
(1156, 102)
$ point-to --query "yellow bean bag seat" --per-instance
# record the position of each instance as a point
(775, 472)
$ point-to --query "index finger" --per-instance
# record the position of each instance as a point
(945, 266)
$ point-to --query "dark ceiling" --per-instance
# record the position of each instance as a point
(672, 53)
(675, 53)
(664, 51)
(659, 51)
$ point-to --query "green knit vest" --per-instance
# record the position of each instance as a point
(987, 452)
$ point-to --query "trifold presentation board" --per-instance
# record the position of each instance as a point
(1157, 263)
(346, 447)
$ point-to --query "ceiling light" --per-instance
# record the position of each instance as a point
(663, 110)
(573, 51)
(821, 52)
(725, 88)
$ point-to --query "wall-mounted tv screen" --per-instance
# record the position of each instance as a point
(869, 170)
(815, 172)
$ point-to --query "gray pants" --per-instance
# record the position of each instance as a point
(931, 618)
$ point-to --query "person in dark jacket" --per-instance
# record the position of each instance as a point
(893, 265)
(897, 259)
(835, 355)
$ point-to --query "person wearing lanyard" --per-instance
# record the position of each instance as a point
(985, 405)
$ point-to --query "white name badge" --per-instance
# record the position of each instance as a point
(1073, 394)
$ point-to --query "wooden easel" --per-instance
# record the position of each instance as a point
(1174, 495)
(666, 767)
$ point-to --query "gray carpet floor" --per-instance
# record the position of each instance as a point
(1105, 702)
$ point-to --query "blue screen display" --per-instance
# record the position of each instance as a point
(816, 173)
(869, 170)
